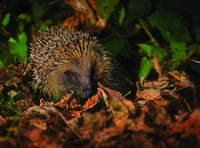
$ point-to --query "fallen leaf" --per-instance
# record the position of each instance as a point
(91, 102)
(111, 93)
(63, 102)
(2, 121)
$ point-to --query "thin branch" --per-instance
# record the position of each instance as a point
(146, 30)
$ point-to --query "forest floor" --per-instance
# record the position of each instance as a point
(164, 113)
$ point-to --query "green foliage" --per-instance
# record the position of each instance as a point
(137, 9)
(5, 20)
(122, 13)
(11, 95)
(177, 35)
(39, 9)
(22, 19)
(1, 63)
(145, 67)
(178, 51)
(174, 30)
(105, 7)
(170, 29)
(8, 104)
(149, 50)
(19, 47)
(146, 49)
(114, 44)
(170, 25)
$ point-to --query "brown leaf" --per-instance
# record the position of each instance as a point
(2, 121)
(142, 140)
(180, 79)
(157, 66)
(72, 22)
(107, 134)
(34, 135)
(140, 124)
(162, 117)
(181, 115)
(45, 103)
(91, 102)
(149, 94)
(85, 14)
(1, 88)
(129, 104)
(111, 93)
(75, 113)
(159, 84)
(38, 123)
(189, 126)
(63, 102)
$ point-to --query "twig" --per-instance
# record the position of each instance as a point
(146, 30)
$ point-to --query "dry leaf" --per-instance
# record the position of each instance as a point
(63, 102)
(2, 121)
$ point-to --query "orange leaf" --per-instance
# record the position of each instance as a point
(77, 113)
(157, 66)
(92, 101)
(112, 93)
(62, 103)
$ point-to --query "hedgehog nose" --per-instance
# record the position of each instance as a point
(87, 92)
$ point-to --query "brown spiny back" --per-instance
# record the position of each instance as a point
(57, 50)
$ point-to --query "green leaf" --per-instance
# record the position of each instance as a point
(153, 49)
(145, 48)
(38, 9)
(114, 44)
(160, 53)
(6, 20)
(137, 9)
(24, 17)
(179, 51)
(145, 67)
(12, 93)
(178, 46)
(1, 63)
(121, 15)
(43, 27)
(163, 21)
(105, 7)
(19, 48)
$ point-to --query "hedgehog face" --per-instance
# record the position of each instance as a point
(79, 79)
(82, 84)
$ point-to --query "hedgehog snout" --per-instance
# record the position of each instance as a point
(86, 88)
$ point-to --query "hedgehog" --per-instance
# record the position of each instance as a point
(67, 61)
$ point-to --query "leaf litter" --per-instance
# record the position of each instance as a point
(164, 113)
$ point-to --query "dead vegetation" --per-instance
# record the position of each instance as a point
(164, 113)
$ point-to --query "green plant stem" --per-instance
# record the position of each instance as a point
(146, 30)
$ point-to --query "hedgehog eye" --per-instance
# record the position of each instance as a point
(68, 73)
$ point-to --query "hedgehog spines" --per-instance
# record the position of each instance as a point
(58, 50)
